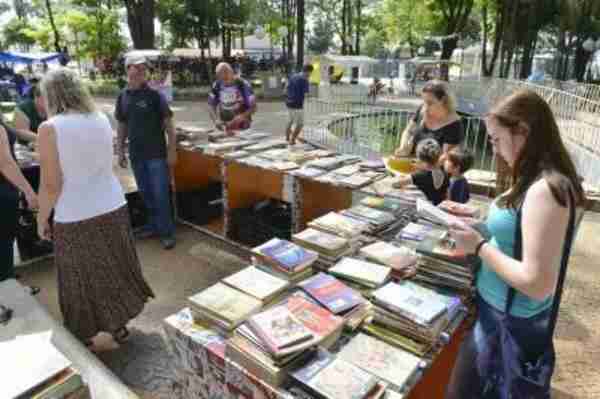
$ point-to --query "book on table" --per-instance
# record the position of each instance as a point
(257, 283)
(410, 300)
(66, 385)
(375, 216)
(432, 212)
(340, 225)
(286, 255)
(362, 272)
(331, 293)
(385, 204)
(224, 304)
(396, 339)
(320, 241)
(278, 329)
(330, 377)
(393, 365)
(33, 366)
(390, 255)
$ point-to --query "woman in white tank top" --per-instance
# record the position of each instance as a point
(100, 282)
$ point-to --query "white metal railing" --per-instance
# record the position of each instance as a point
(372, 131)
(358, 125)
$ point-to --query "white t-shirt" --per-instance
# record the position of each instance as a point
(85, 150)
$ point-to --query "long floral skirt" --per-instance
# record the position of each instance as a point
(100, 280)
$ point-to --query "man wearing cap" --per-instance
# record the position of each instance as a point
(144, 116)
(231, 101)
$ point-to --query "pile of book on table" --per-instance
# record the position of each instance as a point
(361, 275)
(400, 259)
(412, 316)
(338, 298)
(269, 344)
(350, 228)
(32, 367)
(329, 247)
(376, 220)
(285, 259)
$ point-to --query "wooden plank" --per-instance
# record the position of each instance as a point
(318, 198)
(196, 170)
(248, 185)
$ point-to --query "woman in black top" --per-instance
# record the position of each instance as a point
(436, 118)
(11, 182)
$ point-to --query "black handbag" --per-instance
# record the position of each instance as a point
(512, 375)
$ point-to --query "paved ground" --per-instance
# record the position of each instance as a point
(198, 262)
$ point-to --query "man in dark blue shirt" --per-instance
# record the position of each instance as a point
(144, 116)
(297, 88)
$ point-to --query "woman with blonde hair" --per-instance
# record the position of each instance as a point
(436, 118)
(100, 281)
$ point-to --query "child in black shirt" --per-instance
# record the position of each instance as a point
(456, 164)
(431, 178)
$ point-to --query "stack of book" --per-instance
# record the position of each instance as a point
(220, 148)
(433, 215)
(285, 259)
(357, 180)
(340, 225)
(270, 343)
(414, 311)
(376, 165)
(329, 163)
(338, 298)
(223, 308)
(460, 210)
(236, 154)
(331, 248)
(416, 232)
(376, 219)
(329, 377)
(266, 145)
(408, 196)
(361, 274)
(402, 260)
(386, 204)
(34, 368)
(441, 264)
(257, 283)
(348, 159)
(276, 154)
(395, 366)
(251, 135)
(308, 172)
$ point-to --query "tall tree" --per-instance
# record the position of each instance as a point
(321, 37)
(300, 9)
(57, 40)
(140, 19)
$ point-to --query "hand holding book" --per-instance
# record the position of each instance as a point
(465, 236)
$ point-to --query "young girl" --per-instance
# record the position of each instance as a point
(431, 178)
(457, 162)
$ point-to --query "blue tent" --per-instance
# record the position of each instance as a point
(28, 58)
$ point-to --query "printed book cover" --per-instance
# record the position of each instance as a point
(331, 293)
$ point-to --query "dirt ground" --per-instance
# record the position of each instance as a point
(195, 264)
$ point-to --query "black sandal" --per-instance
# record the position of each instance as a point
(121, 335)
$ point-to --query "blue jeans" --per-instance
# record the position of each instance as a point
(153, 180)
(466, 381)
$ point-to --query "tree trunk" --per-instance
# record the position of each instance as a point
(53, 25)
(581, 59)
(488, 70)
(484, 39)
(140, 18)
(358, 27)
(299, 34)
(344, 27)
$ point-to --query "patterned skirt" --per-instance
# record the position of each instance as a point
(100, 280)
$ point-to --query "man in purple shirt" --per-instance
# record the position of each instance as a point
(231, 101)
(297, 88)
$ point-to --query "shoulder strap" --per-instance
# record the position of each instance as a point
(518, 254)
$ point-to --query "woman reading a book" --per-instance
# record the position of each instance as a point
(519, 260)
(436, 118)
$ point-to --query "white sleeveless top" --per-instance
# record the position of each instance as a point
(85, 151)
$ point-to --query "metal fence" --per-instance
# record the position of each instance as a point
(344, 117)
(373, 131)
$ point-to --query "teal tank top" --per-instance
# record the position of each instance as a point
(501, 224)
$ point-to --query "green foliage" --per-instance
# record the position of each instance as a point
(321, 37)
(18, 32)
(405, 21)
